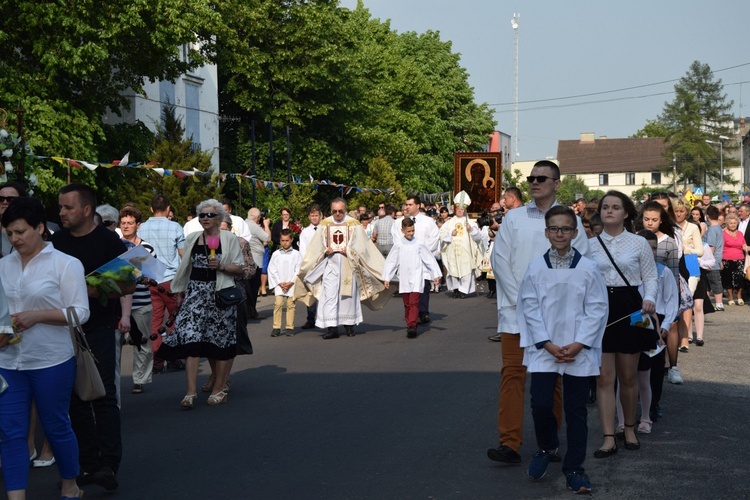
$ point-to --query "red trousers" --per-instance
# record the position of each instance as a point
(411, 308)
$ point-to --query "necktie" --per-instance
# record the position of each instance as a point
(414, 218)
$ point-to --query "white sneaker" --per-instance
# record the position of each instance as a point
(674, 376)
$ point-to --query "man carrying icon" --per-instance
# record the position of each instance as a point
(342, 269)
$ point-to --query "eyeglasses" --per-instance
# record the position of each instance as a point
(561, 229)
(338, 211)
(3, 199)
(210, 215)
(107, 223)
(539, 178)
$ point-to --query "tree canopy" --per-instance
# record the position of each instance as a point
(698, 113)
(354, 93)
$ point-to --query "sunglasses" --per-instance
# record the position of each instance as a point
(539, 178)
(210, 215)
(338, 211)
(107, 223)
(3, 199)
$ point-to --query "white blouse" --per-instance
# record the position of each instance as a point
(50, 280)
(633, 256)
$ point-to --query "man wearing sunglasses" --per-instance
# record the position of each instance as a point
(519, 241)
(342, 269)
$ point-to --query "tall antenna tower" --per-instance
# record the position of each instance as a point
(514, 23)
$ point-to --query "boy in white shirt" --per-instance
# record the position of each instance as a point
(562, 312)
(282, 269)
(411, 259)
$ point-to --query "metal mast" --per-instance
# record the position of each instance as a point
(514, 23)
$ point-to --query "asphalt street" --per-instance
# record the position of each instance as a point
(382, 416)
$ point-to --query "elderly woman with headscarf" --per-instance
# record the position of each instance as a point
(203, 329)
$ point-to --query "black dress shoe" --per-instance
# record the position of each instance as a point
(461, 295)
(349, 329)
(105, 477)
(492, 294)
(504, 454)
(495, 338)
(411, 333)
(424, 319)
(455, 294)
(333, 333)
(308, 326)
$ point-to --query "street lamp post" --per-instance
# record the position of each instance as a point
(721, 162)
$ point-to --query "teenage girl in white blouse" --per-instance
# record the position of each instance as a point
(621, 345)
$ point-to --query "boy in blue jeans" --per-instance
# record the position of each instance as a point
(562, 311)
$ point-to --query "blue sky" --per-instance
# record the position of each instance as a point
(575, 47)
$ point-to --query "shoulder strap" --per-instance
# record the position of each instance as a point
(601, 242)
(546, 259)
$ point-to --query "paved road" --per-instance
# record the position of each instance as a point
(383, 416)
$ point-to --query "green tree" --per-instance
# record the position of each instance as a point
(171, 152)
(67, 63)
(653, 128)
(380, 175)
(570, 189)
(699, 112)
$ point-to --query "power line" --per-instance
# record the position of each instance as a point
(610, 91)
(601, 101)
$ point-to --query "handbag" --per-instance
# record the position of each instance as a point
(707, 261)
(228, 297)
(88, 385)
(649, 336)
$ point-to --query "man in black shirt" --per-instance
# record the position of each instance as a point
(95, 423)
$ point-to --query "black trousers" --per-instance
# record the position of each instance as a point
(251, 287)
(424, 299)
(97, 423)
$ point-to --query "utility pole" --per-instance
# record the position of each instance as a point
(514, 23)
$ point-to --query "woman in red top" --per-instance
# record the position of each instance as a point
(733, 260)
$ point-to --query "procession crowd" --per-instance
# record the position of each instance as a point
(599, 298)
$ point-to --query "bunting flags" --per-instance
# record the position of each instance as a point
(345, 189)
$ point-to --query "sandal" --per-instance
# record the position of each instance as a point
(219, 398)
(740, 302)
(188, 402)
(731, 302)
(601, 453)
(645, 427)
(208, 386)
(629, 445)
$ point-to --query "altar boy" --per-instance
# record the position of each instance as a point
(410, 259)
(562, 311)
(282, 269)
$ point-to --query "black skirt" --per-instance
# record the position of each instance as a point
(621, 337)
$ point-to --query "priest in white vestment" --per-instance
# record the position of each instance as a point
(341, 269)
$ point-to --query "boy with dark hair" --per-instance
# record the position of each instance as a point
(562, 311)
(412, 260)
(282, 269)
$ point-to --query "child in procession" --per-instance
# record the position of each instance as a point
(282, 269)
(409, 260)
(562, 312)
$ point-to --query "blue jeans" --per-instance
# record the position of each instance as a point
(97, 423)
(575, 395)
(50, 388)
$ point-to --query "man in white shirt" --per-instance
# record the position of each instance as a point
(512, 198)
(520, 240)
(239, 226)
(425, 230)
(259, 238)
(314, 214)
(744, 214)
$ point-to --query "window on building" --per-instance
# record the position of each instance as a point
(192, 113)
(629, 178)
(604, 179)
(655, 177)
